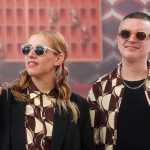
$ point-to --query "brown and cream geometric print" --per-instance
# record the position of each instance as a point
(104, 100)
(39, 118)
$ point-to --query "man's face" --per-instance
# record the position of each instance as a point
(131, 48)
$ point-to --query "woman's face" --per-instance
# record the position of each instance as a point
(41, 65)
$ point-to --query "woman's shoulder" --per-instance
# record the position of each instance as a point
(5, 96)
(79, 100)
(77, 97)
(5, 93)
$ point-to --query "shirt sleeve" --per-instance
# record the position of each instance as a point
(94, 95)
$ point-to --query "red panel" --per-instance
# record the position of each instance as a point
(20, 3)
(84, 4)
(64, 31)
(43, 17)
(10, 17)
(21, 34)
(2, 3)
(85, 15)
(95, 50)
(20, 56)
(20, 17)
(43, 3)
(75, 52)
(85, 48)
(74, 3)
(32, 30)
(64, 17)
(95, 33)
(32, 17)
(75, 34)
(95, 4)
(10, 53)
(32, 4)
(1, 34)
(77, 20)
(10, 34)
(64, 3)
(9, 3)
(1, 17)
(95, 16)
(52, 27)
(54, 3)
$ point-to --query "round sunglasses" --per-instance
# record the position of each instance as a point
(140, 36)
(39, 49)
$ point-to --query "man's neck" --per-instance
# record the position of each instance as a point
(134, 71)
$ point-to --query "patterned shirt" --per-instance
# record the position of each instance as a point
(104, 100)
(39, 118)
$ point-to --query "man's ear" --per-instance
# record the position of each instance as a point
(59, 59)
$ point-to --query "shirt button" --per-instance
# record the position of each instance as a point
(114, 140)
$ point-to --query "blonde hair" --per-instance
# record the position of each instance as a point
(59, 44)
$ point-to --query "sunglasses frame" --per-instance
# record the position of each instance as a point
(34, 47)
(134, 33)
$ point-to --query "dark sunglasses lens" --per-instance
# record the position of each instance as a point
(26, 49)
(125, 34)
(39, 50)
(141, 36)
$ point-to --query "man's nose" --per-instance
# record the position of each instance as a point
(132, 38)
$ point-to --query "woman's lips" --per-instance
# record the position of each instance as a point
(32, 63)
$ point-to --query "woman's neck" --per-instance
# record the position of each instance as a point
(43, 85)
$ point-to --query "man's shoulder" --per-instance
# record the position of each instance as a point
(104, 77)
(108, 76)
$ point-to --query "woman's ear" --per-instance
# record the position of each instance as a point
(59, 59)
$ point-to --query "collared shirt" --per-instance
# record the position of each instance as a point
(39, 118)
(104, 99)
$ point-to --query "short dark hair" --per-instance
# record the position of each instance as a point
(138, 15)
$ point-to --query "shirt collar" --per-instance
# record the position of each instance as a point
(119, 66)
(36, 92)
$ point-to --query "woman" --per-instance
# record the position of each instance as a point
(39, 111)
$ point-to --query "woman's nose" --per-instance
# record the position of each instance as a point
(32, 52)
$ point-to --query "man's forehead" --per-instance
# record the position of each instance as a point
(135, 23)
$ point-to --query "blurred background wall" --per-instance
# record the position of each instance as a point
(89, 26)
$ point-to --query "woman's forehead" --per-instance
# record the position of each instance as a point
(39, 39)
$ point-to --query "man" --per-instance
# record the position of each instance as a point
(120, 100)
